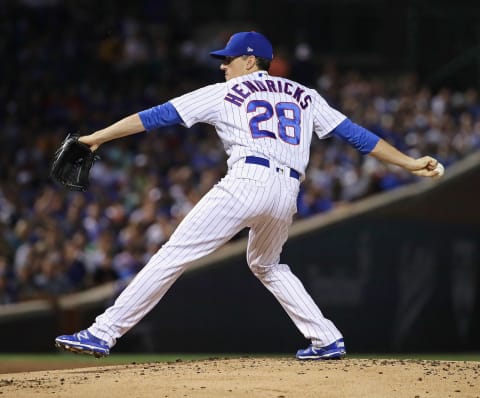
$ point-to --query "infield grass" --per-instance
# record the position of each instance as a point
(122, 358)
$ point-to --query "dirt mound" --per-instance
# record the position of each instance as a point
(253, 378)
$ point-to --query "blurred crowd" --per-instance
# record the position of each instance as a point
(68, 73)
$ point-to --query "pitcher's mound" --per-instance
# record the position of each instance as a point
(254, 378)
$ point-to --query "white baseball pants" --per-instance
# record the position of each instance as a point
(250, 195)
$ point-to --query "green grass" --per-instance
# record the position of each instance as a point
(112, 359)
(121, 358)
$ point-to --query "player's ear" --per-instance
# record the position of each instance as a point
(251, 62)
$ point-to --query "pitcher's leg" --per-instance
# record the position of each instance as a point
(299, 305)
(211, 223)
(140, 296)
(266, 240)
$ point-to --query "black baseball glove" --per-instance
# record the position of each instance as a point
(72, 163)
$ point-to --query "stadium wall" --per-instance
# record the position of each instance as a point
(398, 272)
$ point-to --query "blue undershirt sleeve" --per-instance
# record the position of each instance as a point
(160, 116)
(357, 136)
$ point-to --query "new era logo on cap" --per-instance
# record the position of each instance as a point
(246, 43)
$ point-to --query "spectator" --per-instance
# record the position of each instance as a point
(55, 242)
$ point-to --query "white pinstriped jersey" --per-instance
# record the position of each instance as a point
(254, 115)
(261, 115)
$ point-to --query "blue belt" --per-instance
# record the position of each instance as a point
(265, 162)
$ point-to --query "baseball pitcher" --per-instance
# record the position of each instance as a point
(266, 124)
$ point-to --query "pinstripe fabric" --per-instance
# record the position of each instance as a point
(250, 195)
(231, 121)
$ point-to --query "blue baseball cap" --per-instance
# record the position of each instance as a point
(246, 43)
